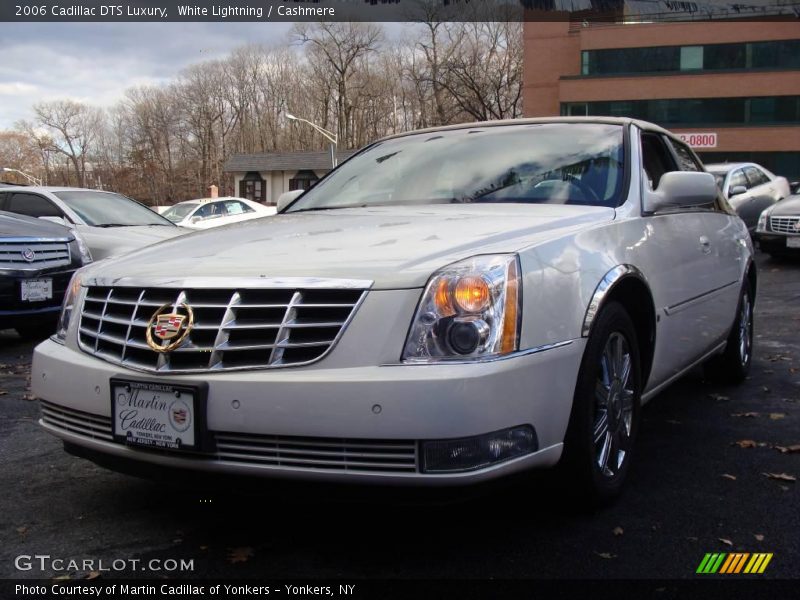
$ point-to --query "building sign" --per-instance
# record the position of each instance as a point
(699, 140)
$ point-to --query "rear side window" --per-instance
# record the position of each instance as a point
(755, 176)
(235, 207)
(737, 179)
(33, 205)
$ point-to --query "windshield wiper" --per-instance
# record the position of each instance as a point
(111, 225)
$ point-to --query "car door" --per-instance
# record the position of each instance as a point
(689, 273)
(742, 202)
(763, 192)
(238, 211)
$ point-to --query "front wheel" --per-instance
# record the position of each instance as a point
(733, 365)
(605, 410)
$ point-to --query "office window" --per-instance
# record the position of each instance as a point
(691, 58)
(697, 111)
(781, 54)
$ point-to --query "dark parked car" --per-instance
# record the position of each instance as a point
(778, 231)
(749, 188)
(37, 260)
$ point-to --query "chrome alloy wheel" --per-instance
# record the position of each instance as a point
(745, 329)
(614, 397)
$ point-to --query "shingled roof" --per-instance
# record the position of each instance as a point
(284, 161)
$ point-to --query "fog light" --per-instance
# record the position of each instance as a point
(466, 454)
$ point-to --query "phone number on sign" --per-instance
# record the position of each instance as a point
(699, 140)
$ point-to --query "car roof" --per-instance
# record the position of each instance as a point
(47, 188)
(725, 167)
(538, 120)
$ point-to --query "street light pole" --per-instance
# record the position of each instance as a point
(30, 178)
(332, 137)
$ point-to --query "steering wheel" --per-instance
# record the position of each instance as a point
(586, 190)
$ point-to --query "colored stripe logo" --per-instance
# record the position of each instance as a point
(733, 563)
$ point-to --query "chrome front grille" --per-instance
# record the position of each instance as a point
(329, 454)
(233, 328)
(785, 224)
(19, 253)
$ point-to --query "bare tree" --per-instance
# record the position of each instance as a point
(74, 128)
(337, 47)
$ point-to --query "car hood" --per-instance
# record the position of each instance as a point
(395, 247)
(14, 225)
(105, 242)
(789, 206)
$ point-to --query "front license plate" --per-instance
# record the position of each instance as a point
(36, 290)
(155, 415)
(793, 242)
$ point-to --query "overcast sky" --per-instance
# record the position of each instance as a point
(97, 62)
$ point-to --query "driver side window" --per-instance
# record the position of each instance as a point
(656, 158)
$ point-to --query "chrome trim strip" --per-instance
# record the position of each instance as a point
(225, 282)
(601, 291)
(489, 359)
(23, 240)
(676, 308)
(649, 394)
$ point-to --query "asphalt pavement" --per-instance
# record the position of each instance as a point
(713, 473)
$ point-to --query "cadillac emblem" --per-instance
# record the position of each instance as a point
(28, 255)
(167, 330)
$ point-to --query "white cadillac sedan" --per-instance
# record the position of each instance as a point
(213, 212)
(448, 306)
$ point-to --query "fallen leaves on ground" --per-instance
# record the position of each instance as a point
(618, 531)
(749, 415)
(780, 476)
(745, 444)
(239, 555)
(759, 537)
(729, 476)
(788, 449)
(62, 578)
(28, 397)
(776, 416)
(725, 541)
(3, 392)
(22, 530)
(606, 555)
(93, 575)
(719, 397)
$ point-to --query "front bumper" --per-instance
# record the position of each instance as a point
(313, 408)
(776, 243)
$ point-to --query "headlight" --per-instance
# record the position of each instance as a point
(762, 221)
(86, 256)
(73, 290)
(469, 310)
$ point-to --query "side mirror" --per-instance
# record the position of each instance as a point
(286, 198)
(794, 187)
(736, 190)
(681, 189)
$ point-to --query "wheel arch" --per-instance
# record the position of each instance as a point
(627, 285)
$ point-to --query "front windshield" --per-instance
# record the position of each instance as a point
(104, 209)
(179, 212)
(538, 163)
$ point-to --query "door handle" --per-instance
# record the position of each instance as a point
(705, 245)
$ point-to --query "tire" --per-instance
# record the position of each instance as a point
(598, 446)
(733, 365)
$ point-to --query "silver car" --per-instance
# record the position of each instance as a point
(109, 223)
(749, 188)
(445, 307)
